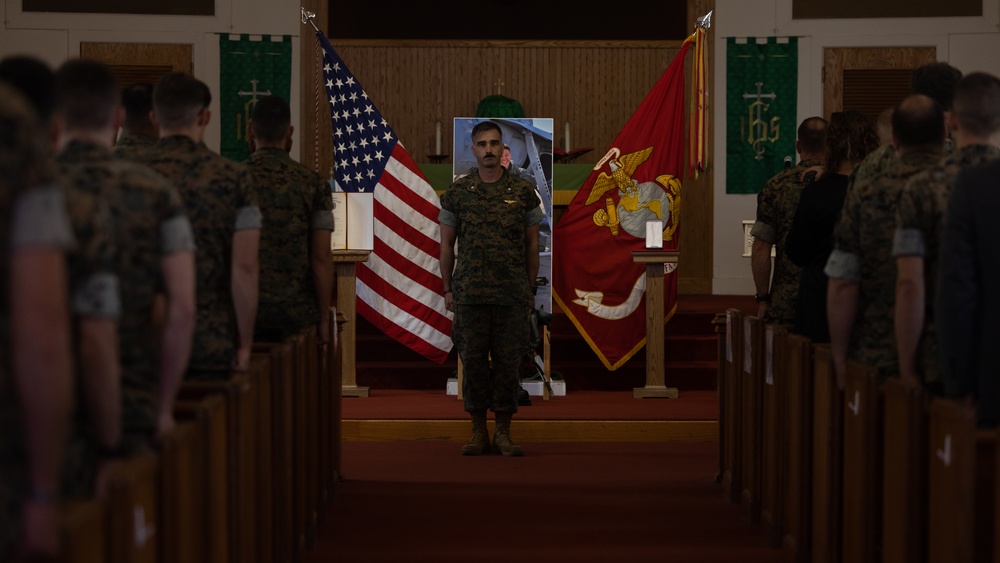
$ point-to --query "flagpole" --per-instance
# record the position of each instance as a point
(307, 18)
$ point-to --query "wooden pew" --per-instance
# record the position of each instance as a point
(862, 464)
(82, 531)
(301, 509)
(281, 363)
(732, 482)
(209, 415)
(798, 467)
(336, 411)
(773, 434)
(241, 480)
(751, 382)
(904, 476)
(962, 482)
(133, 505)
(264, 457)
(719, 323)
(184, 502)
(827, 443)
(310, 360)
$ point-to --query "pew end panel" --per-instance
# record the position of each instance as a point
(82, 531)
(862, 464)
(210, 415)
(183, 484)
(752, 382)
(774, 429)
(133, 507)
(827, 484)
(798, 470)
(904, 477)
(732, 483)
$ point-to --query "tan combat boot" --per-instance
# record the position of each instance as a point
(480, 443)
(501, 438)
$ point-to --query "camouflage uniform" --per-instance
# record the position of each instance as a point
(919, 226)
(776, 205)
(95, 288)
(490, 286)
(148, 222)
(862, 253)
(294, 201)
(35, 218)
(220, 199)
(131, 147)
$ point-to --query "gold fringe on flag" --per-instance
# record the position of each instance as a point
(698, 128)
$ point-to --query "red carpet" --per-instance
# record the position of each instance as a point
(385, 404)
(572, 502)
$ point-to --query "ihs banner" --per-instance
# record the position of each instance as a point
(761, 98)
(249, 70)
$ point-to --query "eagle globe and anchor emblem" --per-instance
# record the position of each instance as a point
(637, 203)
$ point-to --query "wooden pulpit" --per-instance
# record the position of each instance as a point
(655, 261)
(345, 269)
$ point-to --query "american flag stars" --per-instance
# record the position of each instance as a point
(362, 138)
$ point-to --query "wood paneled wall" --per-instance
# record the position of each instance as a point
(595, 86)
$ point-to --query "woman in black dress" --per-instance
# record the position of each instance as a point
(850, 138)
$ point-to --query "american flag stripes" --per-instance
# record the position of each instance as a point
(399, 288)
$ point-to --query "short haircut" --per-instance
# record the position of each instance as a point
(850, 138)
(486, 126)
(86, 94)
(137, 99)
(977, 104)
(270, 119)
(35, 81)
(937, 81)
(812, 135)
(178, 98)
(918, 121)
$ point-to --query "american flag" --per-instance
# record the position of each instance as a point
(399, 287)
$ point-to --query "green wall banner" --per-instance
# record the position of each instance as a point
(249, 70)
(761, 99)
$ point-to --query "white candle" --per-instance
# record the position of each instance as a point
(566, 148)
(437, 138)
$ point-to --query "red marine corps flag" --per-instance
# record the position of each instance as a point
(596, 283)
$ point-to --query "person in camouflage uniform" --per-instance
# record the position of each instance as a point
(35, 353)
(776, 205)
(138, 131)
(155, 251)
(936, 80)
(296, 271)
(974, 122)
(494, 217)
(221, 203)
(861, 293)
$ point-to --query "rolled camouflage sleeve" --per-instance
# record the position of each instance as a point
(908, 240)
(248, 215)
(40, 219)
(844, 262)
